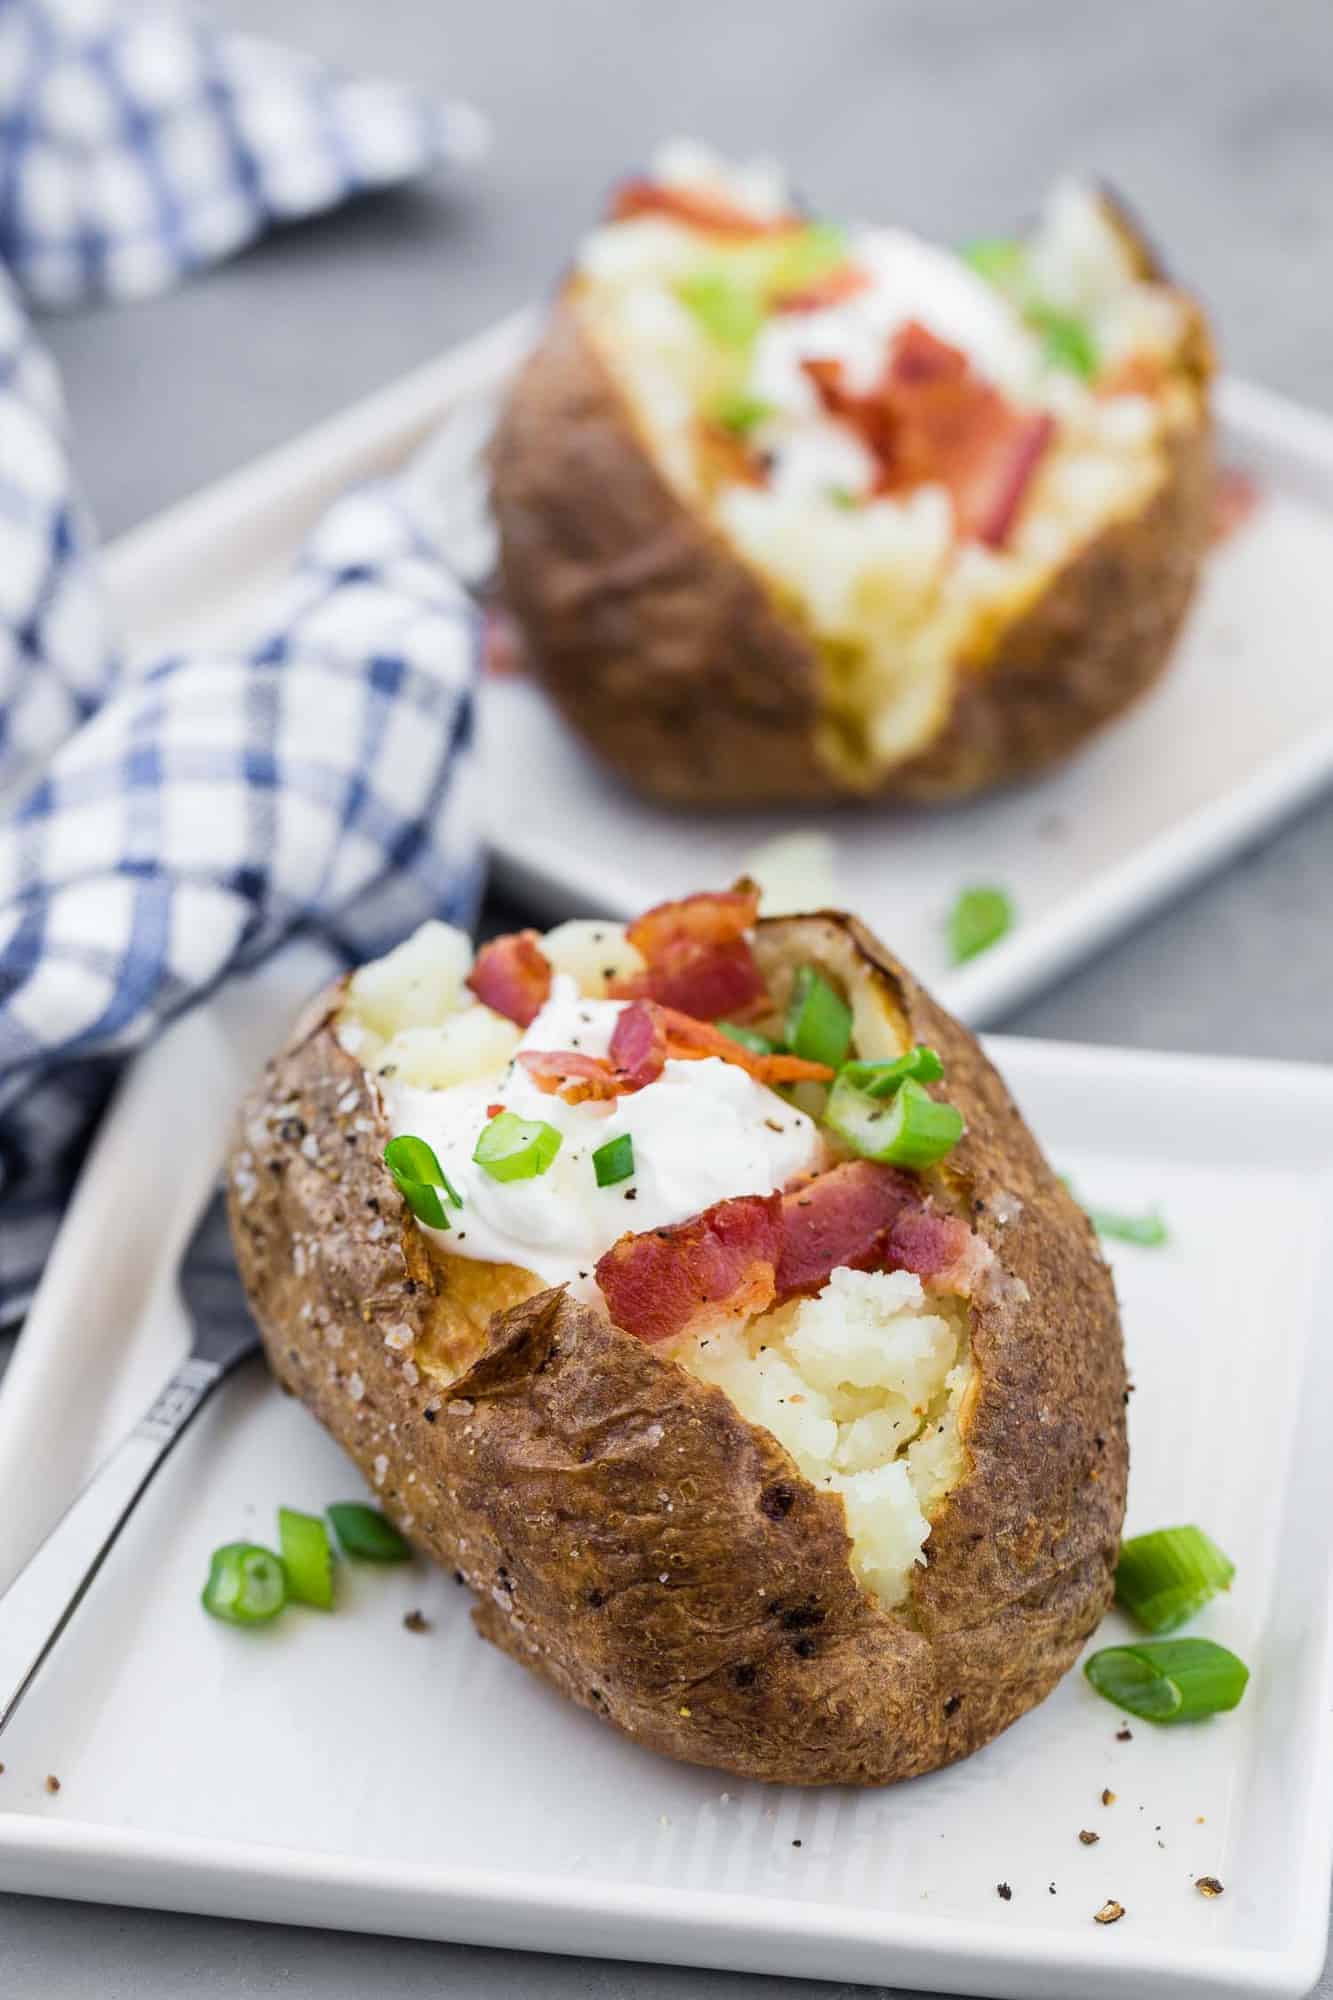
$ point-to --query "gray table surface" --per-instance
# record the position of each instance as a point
(1215, 116)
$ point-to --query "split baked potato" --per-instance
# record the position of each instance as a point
(762, 1380)
(791, 512)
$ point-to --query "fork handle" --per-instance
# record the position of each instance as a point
(45, 1594)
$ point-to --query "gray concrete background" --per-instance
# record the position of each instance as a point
(1214, 116)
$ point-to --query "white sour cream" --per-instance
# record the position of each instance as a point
(703, 1132)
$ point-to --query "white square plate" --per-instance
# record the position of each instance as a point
(344, 1771)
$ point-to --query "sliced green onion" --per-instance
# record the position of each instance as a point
(1164, 1577)
(881, 1079)
(979, 919)
(1000, 260)
(1169, 1680)
(364, 1533)
(614, 1161)
(246, 1584)
(306, 1557)
(740, 413)
(731, 312)
(819, 1021)
(804, 257)
(910, 1129)
(748, 1038)
(511, 1148)
(418, 1176)
(843, 497)
(1067, 341)
(1148, 1230)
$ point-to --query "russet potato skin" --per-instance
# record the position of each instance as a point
(669, 656)
(566, 1469)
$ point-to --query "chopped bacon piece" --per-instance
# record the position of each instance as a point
(941, 1249)
(698, 208)
(638, 1048)
(566, 1073)
(698, 958)
(494, 1110)
(716, 916)
(844, 1216)
(843, 282)
(512, 975)
(711, 982)
(931, 419)
(667, 1281)
(689, 1040)
(1235, 497)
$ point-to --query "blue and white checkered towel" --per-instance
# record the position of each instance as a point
(165, 822)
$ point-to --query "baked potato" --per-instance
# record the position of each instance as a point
(761, 1379)
(790, 512)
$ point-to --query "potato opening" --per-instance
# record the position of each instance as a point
(864, 1384)
(893, 585)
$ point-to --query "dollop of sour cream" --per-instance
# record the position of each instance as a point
(703, 1132)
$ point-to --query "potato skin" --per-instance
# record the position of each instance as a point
(630, 1536)
(669, 657)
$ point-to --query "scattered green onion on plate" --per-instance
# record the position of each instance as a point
(511, 1148)
(364, 1534)
(1164, 1577)
(819, 1021)
(307, 1558)
(614, 1161)
(1169, 1680)
(246, 1584)
(979, 918)
(1147, 1230)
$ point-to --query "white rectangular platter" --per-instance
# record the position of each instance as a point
(1238, 734)
(344, 1771)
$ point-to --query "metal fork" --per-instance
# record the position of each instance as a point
(44, 1596)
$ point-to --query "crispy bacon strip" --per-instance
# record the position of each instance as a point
(568, 1074)
(666, 1281)
(697, 208)
(513, 976)
(698, 958)
(739, 1257)
(930, 418)
(689, 1040)
(841, 1217)
(638, 1048)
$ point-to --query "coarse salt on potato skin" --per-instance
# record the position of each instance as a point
(564, 1467)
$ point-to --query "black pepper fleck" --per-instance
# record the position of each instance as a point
(1004, 1892)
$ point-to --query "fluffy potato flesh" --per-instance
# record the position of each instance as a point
(845, 1541)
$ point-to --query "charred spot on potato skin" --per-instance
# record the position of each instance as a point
(745, 1675)
(953, 1704)
(778, 1500)
(805, 1649)
(596, 1599)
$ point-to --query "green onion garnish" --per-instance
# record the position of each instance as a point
(614, 1161)
(819, 1021)
(741, 414)
(1067, 341)
(881, 1079)
(363, 1532)
(910, 1129)
(732, 313)
(246, 1584)
(803, 258)
(1169, 1680)
(306, 1557)
(979, 919)
(511, 1148)
(1000, 260)
(418, 1176)
(843, 497)
(748, 1038)
(1148, 1230)
(1164, 1577)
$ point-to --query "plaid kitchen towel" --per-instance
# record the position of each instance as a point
(166, 822)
